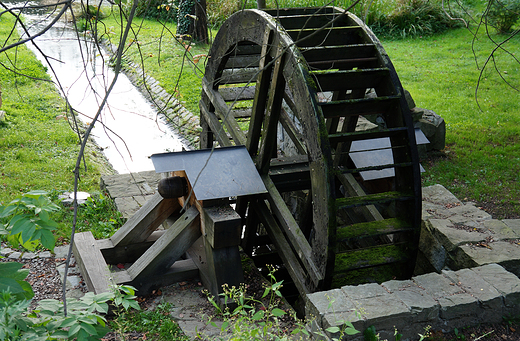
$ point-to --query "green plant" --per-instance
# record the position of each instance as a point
(28, 221)
(83, 321)
(503, 14)
(158, 324)
(252, 319)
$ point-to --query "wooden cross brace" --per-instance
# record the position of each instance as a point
(208, 236)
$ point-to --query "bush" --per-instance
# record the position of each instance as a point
(503, 14)
(415, 17)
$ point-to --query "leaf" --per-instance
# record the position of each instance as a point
(332, 330)
(266, 291)
(351, 331)
(21, 225)
(10, 284)
(258, 315)
(278, 312)
(5, 211)
(47, 239)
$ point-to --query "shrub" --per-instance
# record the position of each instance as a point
(503, 14)
(415, 17)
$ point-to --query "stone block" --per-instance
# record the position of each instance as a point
(331, 309)
(513, 224)
(356, 292)
(384, 312)
(470, 212)
(502, 252)
(434, 127)
(436, 285)
(330, 302)
(506, 283)
(422, 306)
(431, 249)
(489, 299)
(438, 194)
(459, 306)
(451, 237)
(500, 230)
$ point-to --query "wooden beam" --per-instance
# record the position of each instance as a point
(92, 265)
(292, 230)
(223, 226)
(272, 115)
(261, 94)
(215, 126)
(141, 225)
(353, 188)
(223, 112)
(167, 249)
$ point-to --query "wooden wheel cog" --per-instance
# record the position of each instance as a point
(294, 85)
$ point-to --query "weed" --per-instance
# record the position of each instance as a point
(157, 324)
(253, 319)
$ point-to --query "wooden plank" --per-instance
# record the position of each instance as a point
(274, 105)
(216, 127)
(167, 249)
(361, 106)
(181, 270)
(344, 80)
(341, 52)
(237, 93)
(291, 129)
(222, 111)
(92, 265)
(290, 260)
(292, 230)
(127, 253)
(310, 21)
(328, 37)
(141, 225)
(353, 189)
(236, 76)
(363, 135)
(261, 94)
(371, 199)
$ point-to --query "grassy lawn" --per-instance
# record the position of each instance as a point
(38, 148)
(482, 156)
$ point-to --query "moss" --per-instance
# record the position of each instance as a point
(371, 228)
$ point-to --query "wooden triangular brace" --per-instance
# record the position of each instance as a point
(148, 259)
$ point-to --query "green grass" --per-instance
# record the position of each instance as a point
(482, 159)
(38, 149)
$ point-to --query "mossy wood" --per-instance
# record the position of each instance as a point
(291, 85)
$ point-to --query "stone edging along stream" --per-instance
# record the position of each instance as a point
(179, 118)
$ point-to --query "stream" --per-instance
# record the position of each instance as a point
(129, 129)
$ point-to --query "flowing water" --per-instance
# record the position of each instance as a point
(129, 129)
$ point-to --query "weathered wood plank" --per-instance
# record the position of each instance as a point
(215, 126)
(181, 270)
(222, 111)
(272, 115)
(261, 94)
(328, 37)
(292, 230)
(350, 79)
(92, 265)
(127, 253)
(360, 106)
(291, 129)
(141, 225)
(354, 189)
(167, 249)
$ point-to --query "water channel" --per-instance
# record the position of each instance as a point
(130, 130)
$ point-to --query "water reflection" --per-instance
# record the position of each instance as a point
(131, 129)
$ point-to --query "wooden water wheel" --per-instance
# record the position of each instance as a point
(293, 85)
